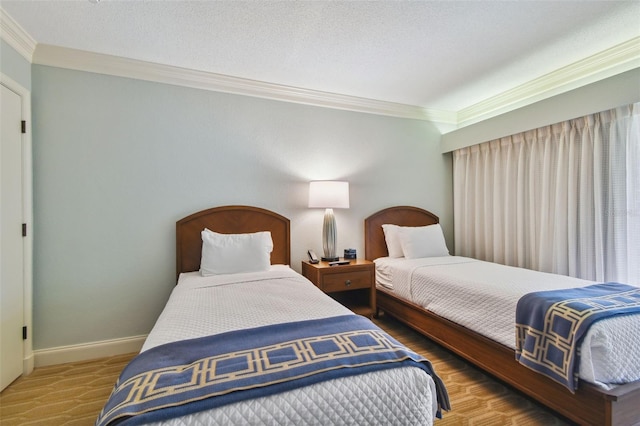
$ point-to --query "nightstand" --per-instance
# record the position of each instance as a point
(353, 285)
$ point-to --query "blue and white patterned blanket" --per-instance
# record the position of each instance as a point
(551, 324)
(185, 377)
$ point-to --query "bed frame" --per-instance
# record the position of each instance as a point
(230, 220)
(589, 405)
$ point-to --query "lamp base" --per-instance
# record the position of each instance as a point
(329, 237)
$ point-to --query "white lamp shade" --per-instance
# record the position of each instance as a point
(329, 194)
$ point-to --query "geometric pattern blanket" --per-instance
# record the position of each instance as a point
(188, 376)
(551, 324)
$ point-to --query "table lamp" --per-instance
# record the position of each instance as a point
(329, 195)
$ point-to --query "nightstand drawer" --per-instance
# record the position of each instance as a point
(346, 281)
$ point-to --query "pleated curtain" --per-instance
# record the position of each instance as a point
(564, 198)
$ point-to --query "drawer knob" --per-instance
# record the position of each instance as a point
(347, 283)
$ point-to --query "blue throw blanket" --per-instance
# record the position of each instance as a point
(185, 377)
(551, 324)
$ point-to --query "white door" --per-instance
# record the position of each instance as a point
(11, 240)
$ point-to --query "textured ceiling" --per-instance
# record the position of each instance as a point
(445, 55)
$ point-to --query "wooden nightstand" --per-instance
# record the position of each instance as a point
(353, 285)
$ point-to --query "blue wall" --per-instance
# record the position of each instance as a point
(15, 65)
(118, 161)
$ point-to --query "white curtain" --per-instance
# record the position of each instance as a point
(563, 198)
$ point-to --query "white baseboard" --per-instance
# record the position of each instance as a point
(87, 351)
(28, 364)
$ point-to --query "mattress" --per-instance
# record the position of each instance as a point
(482, 296)
(201, 306)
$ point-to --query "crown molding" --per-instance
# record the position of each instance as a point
(613, 61)
(13, 34)
(123, 67)
(618, 59)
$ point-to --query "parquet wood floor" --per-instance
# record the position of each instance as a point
(74, 393)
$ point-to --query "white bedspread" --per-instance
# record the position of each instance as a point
(200, 306)
(482, 296)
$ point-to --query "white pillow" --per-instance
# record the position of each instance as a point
(234, 253)
(423, 241)
(392, 237)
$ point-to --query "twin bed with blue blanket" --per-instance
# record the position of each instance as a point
(578, 342)
(550, 325)
(264, 345)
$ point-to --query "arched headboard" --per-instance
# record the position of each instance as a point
(375, 245)
(229, 220)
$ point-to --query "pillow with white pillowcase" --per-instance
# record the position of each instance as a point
(392, 238)
(423, 241)
(235, 253)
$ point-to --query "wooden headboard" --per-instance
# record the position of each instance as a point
(229, 220)
(374, 244)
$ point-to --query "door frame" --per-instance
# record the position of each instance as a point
(27, 217)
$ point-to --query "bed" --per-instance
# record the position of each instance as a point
(262, 314)
(590, 404)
